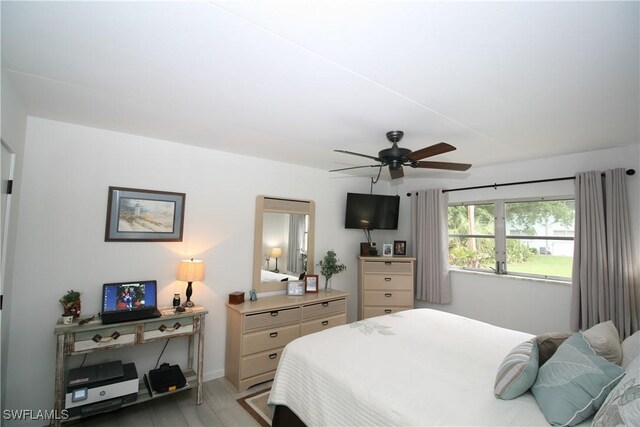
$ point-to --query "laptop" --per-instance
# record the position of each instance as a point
(128, 301)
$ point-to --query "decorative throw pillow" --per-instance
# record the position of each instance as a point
(572, 385)
(630, 349)
(518, 371)
(605, 340)
(548, 344)
(622, 407)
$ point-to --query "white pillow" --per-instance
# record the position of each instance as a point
(622, 406)
(630, 349)
(605, 341)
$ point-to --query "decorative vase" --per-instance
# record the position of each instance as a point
(327, 284)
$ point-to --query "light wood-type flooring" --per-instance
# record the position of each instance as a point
(218, 408)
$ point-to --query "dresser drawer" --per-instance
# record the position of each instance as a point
(390, 267)
(260, 363)
(321, 324)
(323, 309)
(168, 328)
(388, 298)
(385, 282)
(116, 336)
(381, 311)
(256, 342)
(271, 319)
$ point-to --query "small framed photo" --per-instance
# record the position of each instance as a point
(400, 247)
(311, 283)
(295, 287)
(387, 249)
(135, 215)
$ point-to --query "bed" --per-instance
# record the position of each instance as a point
(270, 276)
(416, 367)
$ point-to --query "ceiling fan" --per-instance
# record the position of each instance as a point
(396, 157)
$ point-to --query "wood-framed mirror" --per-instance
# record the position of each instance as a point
(284, 241)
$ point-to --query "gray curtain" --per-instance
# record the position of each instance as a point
(296, 242)
(605, 269)
(430, 246)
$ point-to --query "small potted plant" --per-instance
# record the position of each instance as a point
(328, 267)
(71, 303)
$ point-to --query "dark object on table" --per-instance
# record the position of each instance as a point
(165, 378)
(180, 309)
(236, 297)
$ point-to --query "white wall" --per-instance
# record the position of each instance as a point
(61, 246)
(14, 124)
(528, 305)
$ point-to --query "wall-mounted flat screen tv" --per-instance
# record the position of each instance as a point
(372, 211)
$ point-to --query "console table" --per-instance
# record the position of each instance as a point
(258, 331)
(94, 336)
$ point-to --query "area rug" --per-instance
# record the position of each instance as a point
(256, 405)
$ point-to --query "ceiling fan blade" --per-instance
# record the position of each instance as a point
(442, 165)
(354, 167)
(358, 154)
(396, 173)
(433, 150)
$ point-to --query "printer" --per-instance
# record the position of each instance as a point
(101, 388)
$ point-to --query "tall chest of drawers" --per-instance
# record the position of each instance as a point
(257, 331)
(385, 285)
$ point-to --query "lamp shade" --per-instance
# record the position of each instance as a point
(276, 252)
(191, 270)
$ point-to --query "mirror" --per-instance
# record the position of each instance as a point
(284, 240)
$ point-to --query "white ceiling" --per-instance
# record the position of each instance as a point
(292, 81)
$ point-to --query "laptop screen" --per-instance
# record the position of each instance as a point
(129, 296)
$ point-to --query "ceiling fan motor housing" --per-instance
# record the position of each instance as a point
(394, 156)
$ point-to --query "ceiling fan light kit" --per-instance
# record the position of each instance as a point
(395, 157)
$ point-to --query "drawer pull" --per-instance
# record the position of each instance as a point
(387, 310)
(325, 322)
(325, 304)
(273, 334)
(387, 295)
(98, 338)
(273, 355)
(387, 279)
(387, 263)
(274, 313)
(175, 327)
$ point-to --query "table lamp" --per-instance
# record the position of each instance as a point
(276, 252)
(190, 271)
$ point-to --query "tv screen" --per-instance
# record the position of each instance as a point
(372, 211)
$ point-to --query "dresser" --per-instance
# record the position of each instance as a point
(385, 285)
(257, 331)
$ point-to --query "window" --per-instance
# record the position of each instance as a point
(519, 237)
(472, 236)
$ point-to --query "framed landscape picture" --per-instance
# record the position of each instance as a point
(136, 215)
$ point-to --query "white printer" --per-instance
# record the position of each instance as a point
(101, 388)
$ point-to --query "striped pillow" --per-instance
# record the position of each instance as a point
(518, 371)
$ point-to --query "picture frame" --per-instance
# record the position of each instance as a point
(295, 287)
(311, 283)
(387, 249)
(399, 248)
(136, 215)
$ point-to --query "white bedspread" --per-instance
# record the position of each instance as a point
(270, 276)
(417, 367)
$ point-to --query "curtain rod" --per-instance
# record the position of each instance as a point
(495, 186)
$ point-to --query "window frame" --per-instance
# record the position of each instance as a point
(500, 236)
